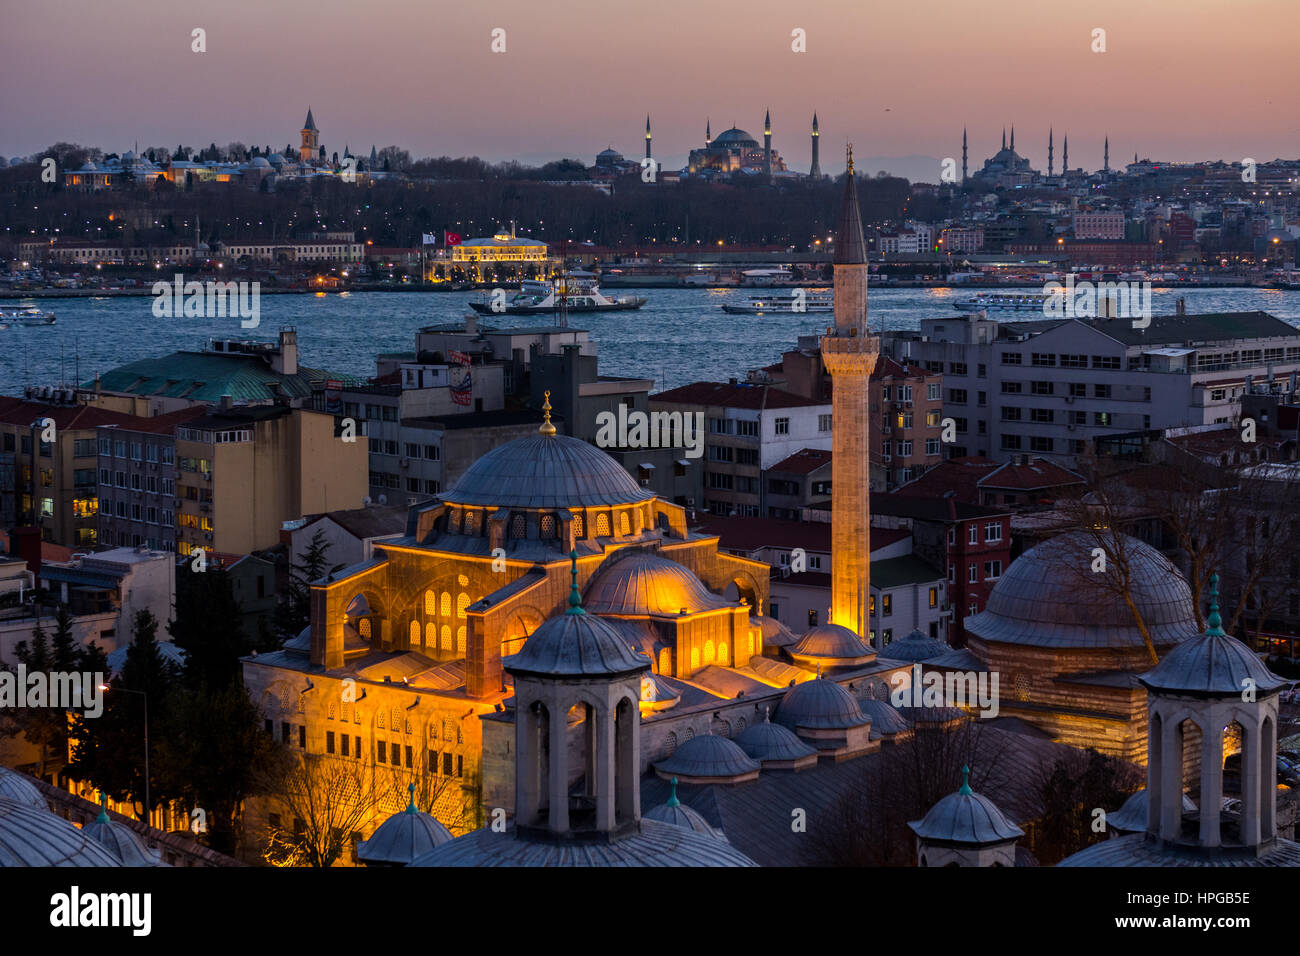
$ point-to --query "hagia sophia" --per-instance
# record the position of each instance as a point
(598, 683)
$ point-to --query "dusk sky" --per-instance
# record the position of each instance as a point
(1181, 79)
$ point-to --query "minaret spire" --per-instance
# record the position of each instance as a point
(963, 155)
(1105, 163)
(1049, 151)
(1004, 137)
(708, 133)
(647, 136)
(767, 144)
(1065, 155)
(1013, 137)
(815, 171)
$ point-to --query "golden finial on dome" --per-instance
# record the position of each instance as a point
(547, 428)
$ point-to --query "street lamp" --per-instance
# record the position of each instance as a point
(147, 805)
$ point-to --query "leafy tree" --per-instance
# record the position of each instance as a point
(208, 626)
(294, 613)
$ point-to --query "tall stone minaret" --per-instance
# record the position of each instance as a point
(1105, 162)
(815, 172)
(767, 144)
(1065, 155)
(963, 155)
(1004, 137)
(1013, 137)
(1049, 151)
(849, 355)
(708, 135)
(647, 136)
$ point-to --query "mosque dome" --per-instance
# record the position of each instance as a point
(403, 837)
(709, 758)
(819, 704)
(673, 812)
(275, 159)
(831, 644)
(1132, 816)
(769, 742)
(259, 162)
(916, 646)
(546, 471)
(608, 156)
(16, 786)
(966, 818)
(640, 583)
(90, 167)
(1049, 597)
(576, 644)
(128, 157)
(121, 841)
(775, 634)
(657, 844)
(32, 837)
(734, 138)
(885, 718)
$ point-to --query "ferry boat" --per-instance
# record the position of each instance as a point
(1007, 301)
(29, 316)
(814, 300)
(575, 292)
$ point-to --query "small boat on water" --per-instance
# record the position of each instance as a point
(796, 301)
(1007, 301)
(573, 292)
(29, 316)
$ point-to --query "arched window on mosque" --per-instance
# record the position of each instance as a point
(740, 725)
(723, 654)
(471, 522)
(518, 525)
(708, 653)
(446, 637)
(379, 719)
(397, 719)
(695, 658)
(670, 744)
(363, 627)
(624, 524)
(665, 661)
(749, 643)
(446, 604)
(431, 635)
(343, 712)
(413, 633)
(548, 527)
(430, 603)
(329, 712)
(462, 602)
(453, 520)
(602, 525)
(578, 525)
(722, 728)
(688, 734)
(460, 640)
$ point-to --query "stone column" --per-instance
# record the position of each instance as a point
(559, 768)
(1250, 778)
(603, 769)
(1211, 778)
(1171, 780)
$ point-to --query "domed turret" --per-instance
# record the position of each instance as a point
(32, 837)
(966, 829)
(403, 837)
(775, 747)
(916, 646)
(15, 786)
(120, 840)
(820, 705)
(709, 758)
(638, 583)
(674, 813)
(831, 645)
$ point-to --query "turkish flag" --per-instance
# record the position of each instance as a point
(452, 238)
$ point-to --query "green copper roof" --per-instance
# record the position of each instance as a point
(206, 376)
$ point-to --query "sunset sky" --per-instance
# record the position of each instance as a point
(1181, 79)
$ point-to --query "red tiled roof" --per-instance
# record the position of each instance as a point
(887, 367)
(751, 534)
(21, 411)
(959, 475)
(733, 396)
(803, 462)
(1039, 473)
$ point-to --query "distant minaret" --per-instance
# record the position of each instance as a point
(1049, 151)
(849, 355)
(708, 135)
(1065, 155)
(1004, 137)
(647, 136)
(963, 155)
(767, 144)
(1105, 163)
(310, 139)
(1013, 137)
(816, 171)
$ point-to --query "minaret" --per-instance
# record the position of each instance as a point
(1065, 155)
(1049, 151)
(815, 172)
(1013, 137)
(849, 355)
(647, 136)
(1105, 163)
(767, 144)
(963, 155)
(1004, 137)
(708, 135)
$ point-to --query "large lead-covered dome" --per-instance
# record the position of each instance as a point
(735, 138)
(1051, 597)
(546, 471)
(643, 584)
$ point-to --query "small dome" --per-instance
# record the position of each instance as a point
(121, 841)
(775, 634)
(576, 644)
(90, 167)
(546, 471)
(917, 646)
(886, 719)
(1132, 817)
(771, 742)
(128, 157)
(674, 813)
(1215, 665)
(16, 786)
(643, 584)
(32, 837)
(403, 837)
(708, 757)
(832, 644)
(260, 162)
(1048, 598)
(966, 817)
(819, 704)
(275, 159)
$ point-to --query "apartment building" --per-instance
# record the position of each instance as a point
(748, 428)
(1056, 386)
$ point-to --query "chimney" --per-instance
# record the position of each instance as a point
(286, 360)
(226, 402)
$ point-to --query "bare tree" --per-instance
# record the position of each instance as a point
(327, 798)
